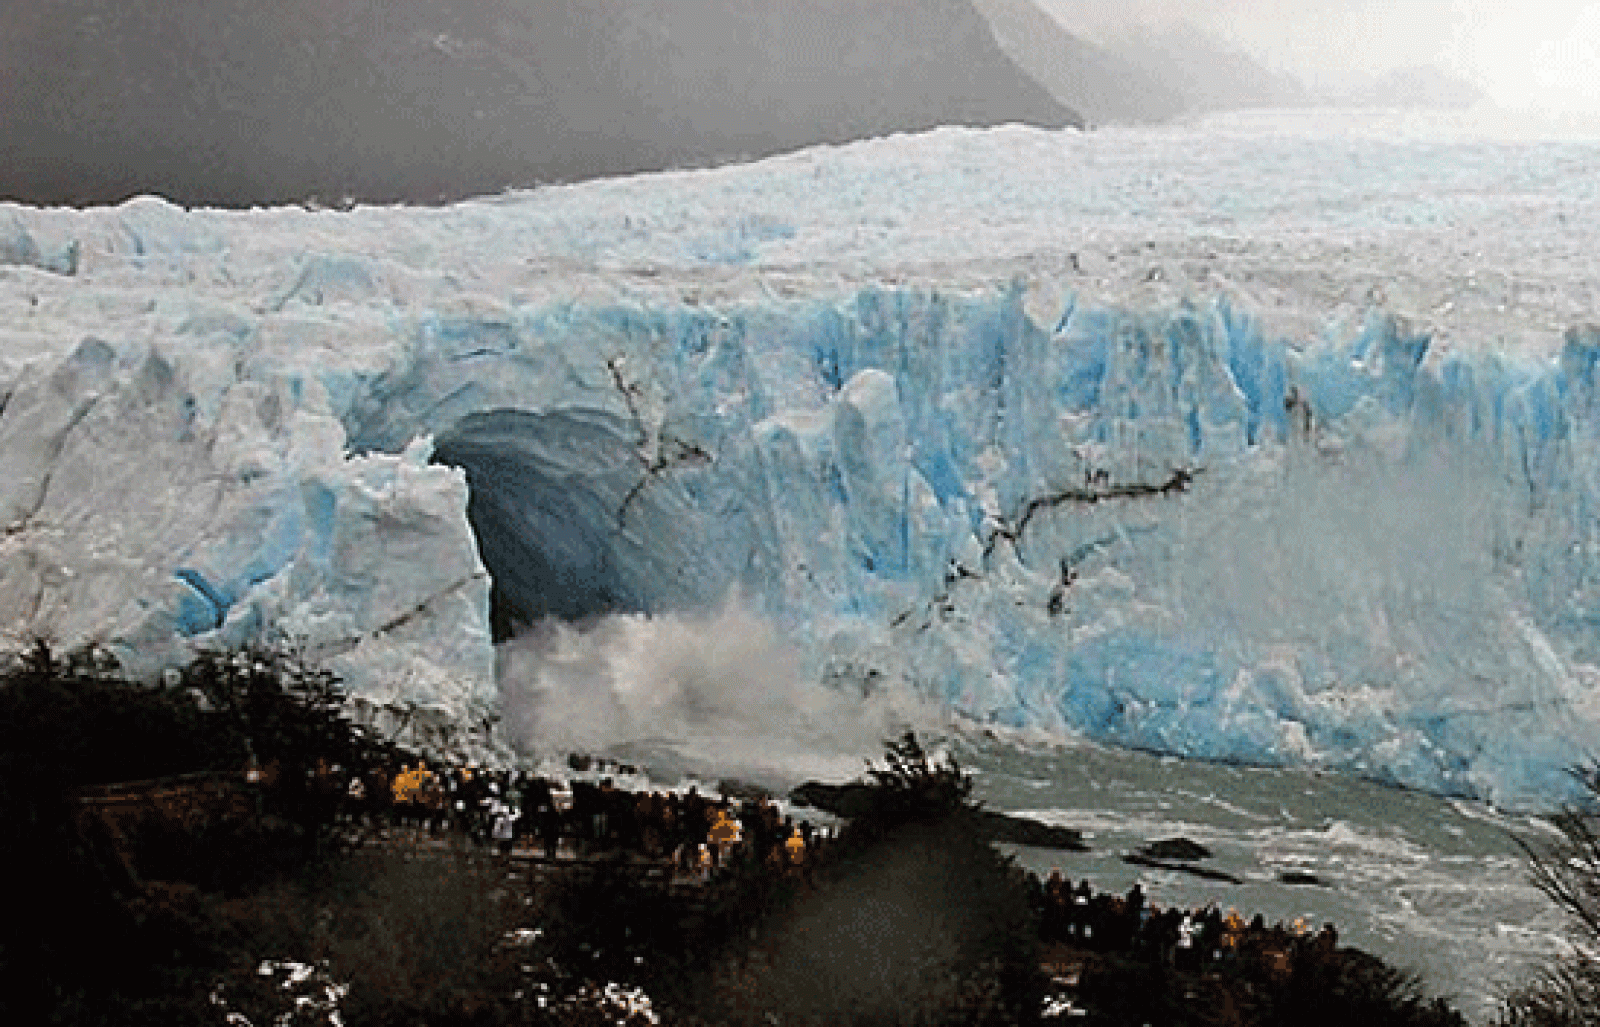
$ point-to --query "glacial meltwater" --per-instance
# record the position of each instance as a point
(1436, 886)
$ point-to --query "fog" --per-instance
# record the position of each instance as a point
(1541, 56)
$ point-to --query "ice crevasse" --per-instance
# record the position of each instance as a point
(1159, 527)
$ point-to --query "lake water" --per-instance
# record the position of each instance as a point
(1434, 885)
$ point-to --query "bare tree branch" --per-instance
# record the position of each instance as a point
(1567, 871)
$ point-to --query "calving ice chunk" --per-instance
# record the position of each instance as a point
(1240, 510)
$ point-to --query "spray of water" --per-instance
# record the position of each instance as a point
(717, 693)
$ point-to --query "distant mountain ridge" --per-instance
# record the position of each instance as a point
(239, 102)
(1095, 81)
(1147, 74)
(1208, 72)
(1156, 74)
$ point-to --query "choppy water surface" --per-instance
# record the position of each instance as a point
(1434, 885)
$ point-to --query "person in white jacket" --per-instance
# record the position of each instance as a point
(504, 827)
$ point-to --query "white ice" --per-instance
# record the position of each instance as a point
(832, 384)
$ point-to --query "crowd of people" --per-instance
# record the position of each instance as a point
(514, 809)
(700, 835)
(1186, 939)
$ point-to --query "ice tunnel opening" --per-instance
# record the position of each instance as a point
(625, 624)
(546, 491)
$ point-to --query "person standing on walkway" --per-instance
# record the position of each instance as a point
(725, 834)
(796, 847)
(504, 828)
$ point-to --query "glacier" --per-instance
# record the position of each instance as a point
(1289, 456)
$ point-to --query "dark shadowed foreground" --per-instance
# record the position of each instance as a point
(214, 894)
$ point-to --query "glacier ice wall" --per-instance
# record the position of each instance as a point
(147, 504)
(1125, 497)
(1160, 529)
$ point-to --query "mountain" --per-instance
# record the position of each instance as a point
(1147, 73)
(1208, 72)
(237, 102)
(1101, 85)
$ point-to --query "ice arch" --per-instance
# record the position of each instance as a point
(571, 522)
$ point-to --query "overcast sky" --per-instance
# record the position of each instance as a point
(1526, 53)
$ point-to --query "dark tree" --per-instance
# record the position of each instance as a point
(284, 707)
(913, 918)
(912, 789)
(109, 929)
(1567, 870)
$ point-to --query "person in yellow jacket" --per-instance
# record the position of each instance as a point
(408, 788)
(796, 848)
(725, 833)
(402, 788)
(1233, 929)
(403, 785)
